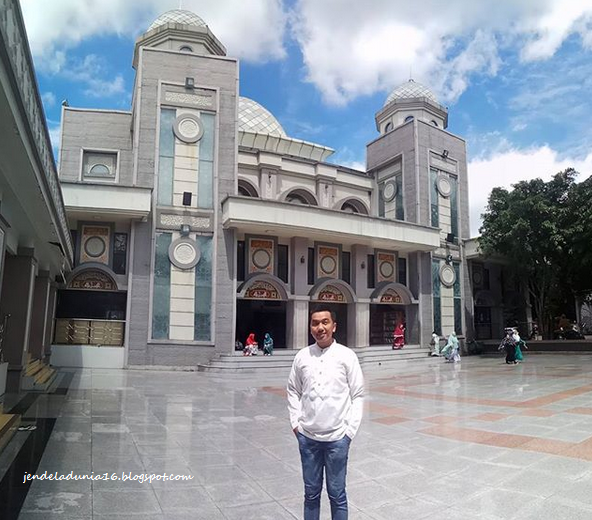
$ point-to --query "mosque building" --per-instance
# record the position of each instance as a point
(173, 230)
(196, 219)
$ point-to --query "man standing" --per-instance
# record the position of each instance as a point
(325, 401)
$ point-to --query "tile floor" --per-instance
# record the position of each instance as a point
(480, 440)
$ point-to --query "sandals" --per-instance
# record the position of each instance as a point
(27, 428)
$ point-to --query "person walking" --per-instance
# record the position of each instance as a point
(435, 344)
(325, 402)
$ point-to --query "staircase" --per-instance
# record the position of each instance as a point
(38, 377)
(370, 357)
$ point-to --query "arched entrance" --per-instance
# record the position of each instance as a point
(91, 310)
(261, 309)
(390, 305)
(338, 297)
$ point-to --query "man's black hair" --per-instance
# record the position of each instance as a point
(322, 308)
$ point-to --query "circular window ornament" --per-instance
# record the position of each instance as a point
(389, 192)
(443, 186)
(447, 275)
(328, 264)
(184, 253)
(188, 128)
(386, 269)
(477, 277)
(95, 247)
(261, 258)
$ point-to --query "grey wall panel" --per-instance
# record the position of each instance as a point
(138, 320)
(95, 130)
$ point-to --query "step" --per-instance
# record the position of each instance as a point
(368, 356)
(9, 424)
(33, 367)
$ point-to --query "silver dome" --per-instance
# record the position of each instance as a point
(411, 89)
(252, 117)
(177, 16)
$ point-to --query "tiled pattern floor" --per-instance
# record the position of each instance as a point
(481, 441)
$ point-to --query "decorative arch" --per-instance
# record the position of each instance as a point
(300, 196)
(330, 290)
(358, 205)
(247, 188)
(262, 286)
(392, 293)
(93, 277)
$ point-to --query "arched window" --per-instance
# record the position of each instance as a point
(354, 206)
(246, 189)
(301, 197)
(388, 127)
(435, 123)
(409, 118)
(186, 48)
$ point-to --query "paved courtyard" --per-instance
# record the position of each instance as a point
(479, 440)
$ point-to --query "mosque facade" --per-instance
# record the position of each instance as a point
(196, 220)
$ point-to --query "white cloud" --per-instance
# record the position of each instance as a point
(48, 99)
(510, 166)
(352, 48)
(252, 30)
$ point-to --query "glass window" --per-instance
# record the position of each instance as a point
(388, 127)
(166, 158)
(205, 178)
(435, 212)
(454, 205)
(435, 123)
(437, 305)
(457, 300)
(370, 273)
(345, 266)
(283, 262)
(203, 290)
(402, 268)
(99, 165)
(399, 210)
(162, 287)
(311, 266)
(240, 260)
(486, 279)
(409, 118)
(119, 252)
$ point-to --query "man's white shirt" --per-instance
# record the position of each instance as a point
(326, 392)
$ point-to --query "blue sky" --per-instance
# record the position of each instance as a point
(515, 74)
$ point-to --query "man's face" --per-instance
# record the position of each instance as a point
(322, 328)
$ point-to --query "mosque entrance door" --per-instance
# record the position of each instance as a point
(260, 317)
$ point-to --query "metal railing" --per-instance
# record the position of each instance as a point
(75, 331)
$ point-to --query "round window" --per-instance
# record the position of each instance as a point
(188, 128)
(95, 247)
(184, 253)
(389, 192)
(447, 275)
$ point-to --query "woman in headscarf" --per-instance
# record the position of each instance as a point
(520, 344)
(267, 345)
(399, 336)
(508, 344)
(251, 347)
(451, 350)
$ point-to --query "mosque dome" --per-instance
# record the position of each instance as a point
(252, 117)
(411, 89)
(178, 16)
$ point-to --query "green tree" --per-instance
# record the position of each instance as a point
(526, 226)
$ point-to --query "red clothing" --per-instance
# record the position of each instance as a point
(399, 336)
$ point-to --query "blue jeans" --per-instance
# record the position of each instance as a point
(332, 457)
